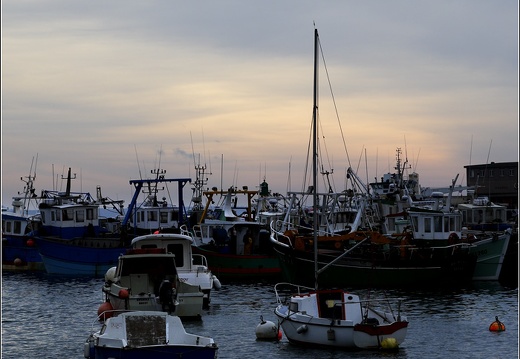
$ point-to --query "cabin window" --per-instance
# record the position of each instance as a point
(391, 224)
(58, 215)
(80, 216)
(490, 173)
(453, 224)
(511, 172)
(178, 250)
(502, 173)
(152, 216)
(164, 217)
(472, 173)
(415, 223)
(90, 213)
(438, 223)
(175, 216)
(17, 227)
(427, 225)
(67, 214)
(447, 224)
(500, 214)
(8, 227)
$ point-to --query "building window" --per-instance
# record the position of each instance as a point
(472, 173)
(490, 173)
(511, 172)
(502, 173)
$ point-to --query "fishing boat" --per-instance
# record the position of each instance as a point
(19, 250)
(431, 221)
(333, 318)
(147, 334)
(158, 273)
(75, 240)
(440, 224)
(237, 246)
(154, 213)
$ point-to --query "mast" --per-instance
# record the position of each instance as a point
(315, 159)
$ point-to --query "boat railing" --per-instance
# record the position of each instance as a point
(104, 315)
(200, 260)
(291, 288)
(280, 225)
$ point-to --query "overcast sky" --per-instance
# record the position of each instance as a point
(114, 89)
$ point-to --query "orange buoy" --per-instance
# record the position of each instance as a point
(17, 262)
(104, 311)
(30, 242)
(497, 326)
(123, 293)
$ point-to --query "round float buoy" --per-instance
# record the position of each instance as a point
(17, 262)
(216, 283)
(104, 311)
(123, 293)
(30, 242)
(110, 275)
(389, 343)
(497, 326)
(267, 330)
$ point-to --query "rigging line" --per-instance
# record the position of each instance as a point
(137, 159)
(334, 102)
(417, 161)
(193, 151)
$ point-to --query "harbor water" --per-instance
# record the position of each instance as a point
(50, 317)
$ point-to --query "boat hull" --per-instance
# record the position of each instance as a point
(490, 254)
(324, 332)
(156, 352)
(298, 267)
(72, 257)
(238, 266)
(20, 254)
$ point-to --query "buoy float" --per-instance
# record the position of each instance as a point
(267, 330)
(216, 283)
(123, 293)
(389, 343)
(17, 262)
(497, 326)
(104, 311)
(30, 242)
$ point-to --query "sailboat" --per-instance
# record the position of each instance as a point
(333, 317)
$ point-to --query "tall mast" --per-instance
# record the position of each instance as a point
(315, 158)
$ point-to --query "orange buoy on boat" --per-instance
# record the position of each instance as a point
(30, 242)
(104, 311)
(497, 326)
(123, 293)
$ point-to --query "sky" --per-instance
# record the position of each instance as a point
(116, 89)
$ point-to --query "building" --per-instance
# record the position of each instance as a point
(497, 181)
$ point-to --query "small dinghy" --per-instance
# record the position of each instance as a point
(147, 334)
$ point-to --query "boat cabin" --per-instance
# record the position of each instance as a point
(333, 304)
(435, 225)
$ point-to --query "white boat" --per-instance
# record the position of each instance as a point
(191, 268)
(147, 334)
(336, 318)
(147, 279)
(333, 318)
